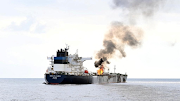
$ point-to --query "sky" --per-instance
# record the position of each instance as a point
(30, 31)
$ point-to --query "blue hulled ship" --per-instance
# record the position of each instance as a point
(67, 69)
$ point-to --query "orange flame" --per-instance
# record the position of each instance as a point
(101, 70)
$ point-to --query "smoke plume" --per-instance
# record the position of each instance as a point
(136, 8)
(120, 35)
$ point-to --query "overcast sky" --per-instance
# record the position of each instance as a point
(31, 30)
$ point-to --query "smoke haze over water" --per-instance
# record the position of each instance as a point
(120, 35)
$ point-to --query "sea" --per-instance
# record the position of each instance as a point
(33, 89)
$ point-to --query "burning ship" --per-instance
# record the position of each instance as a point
(106, 77)
(69, 69)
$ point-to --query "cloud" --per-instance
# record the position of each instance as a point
(28, 25)
(172, 43)
(34, 2)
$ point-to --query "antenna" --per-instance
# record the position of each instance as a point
(67, 47)
(77, 51)
(114, 68)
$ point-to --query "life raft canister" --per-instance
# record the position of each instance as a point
(86, 71)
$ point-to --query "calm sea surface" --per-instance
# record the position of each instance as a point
(32, 89)
(169, 83)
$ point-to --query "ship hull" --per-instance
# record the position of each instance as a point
(68, 79)
(73, 79)
(111, 78)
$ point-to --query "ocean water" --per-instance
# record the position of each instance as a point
(33, 89)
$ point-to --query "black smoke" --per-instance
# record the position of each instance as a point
(120, 35)
(100, 62)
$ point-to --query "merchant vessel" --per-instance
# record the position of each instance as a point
(68, 69)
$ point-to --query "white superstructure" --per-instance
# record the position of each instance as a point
(72, 64)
